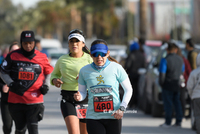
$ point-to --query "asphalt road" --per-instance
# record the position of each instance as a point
(134, 121)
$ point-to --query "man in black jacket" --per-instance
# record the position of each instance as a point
(171, 67)
(134, 61)
(26, 72)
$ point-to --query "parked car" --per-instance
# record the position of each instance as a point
(155, 46)
(118, 52)
(50, 43)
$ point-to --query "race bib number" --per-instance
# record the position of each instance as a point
(26, 73)
(103, 103)
(81, 110)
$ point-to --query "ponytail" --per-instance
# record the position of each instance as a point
(86, 50)
(112, 59)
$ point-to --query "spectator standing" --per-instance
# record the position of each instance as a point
(134, 61)
(184, 77)
(65, 75)
(5, 114)
(146, 50)
(102, 78)
(171, 67)
(192, 53)
(192, 56)
(193, 88)
(25, 72)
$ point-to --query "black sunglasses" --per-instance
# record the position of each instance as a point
(99, 53)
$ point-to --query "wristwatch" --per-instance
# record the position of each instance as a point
(122, 108)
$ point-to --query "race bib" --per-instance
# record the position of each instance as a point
(26, 73)
(81, 110)
(103, 103)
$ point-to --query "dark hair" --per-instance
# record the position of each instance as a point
(190, 42)
(101, 41)
(171, 46)
(76, 31)
(85, 49)
(141, 41)
(179, 52)
(13, 43)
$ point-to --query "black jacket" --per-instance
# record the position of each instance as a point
(134, 61)
(170, 79)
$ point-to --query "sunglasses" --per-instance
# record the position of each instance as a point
(99, 53)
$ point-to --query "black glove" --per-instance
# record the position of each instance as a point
(16, 88)
(44, 89)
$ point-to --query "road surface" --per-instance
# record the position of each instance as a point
(134, 121)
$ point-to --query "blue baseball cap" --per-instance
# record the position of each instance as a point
(134, 46)
(99, 48)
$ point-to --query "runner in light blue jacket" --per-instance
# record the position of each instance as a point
(102, 78)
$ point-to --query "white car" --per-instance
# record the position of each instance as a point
(50, 43)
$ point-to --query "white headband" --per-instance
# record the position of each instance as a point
(77, 36)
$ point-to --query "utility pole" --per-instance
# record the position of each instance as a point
(143, 18)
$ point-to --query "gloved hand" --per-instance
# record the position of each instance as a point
(16, 88)
(44, 89)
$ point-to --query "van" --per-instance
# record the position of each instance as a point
(50, 43)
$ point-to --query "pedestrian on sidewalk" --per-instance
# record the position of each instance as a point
(102, 79)
(171, 68)
(193, 87)
(65, 75)
(134, 61)
(25, 71)
(192, 56)
(192, 53)
(146, 50)
(184, 79)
